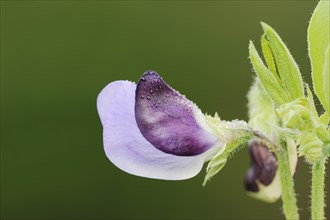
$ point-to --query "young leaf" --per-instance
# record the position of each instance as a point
(268, 55)
(286, 66)
(318, 42)
(269, 82)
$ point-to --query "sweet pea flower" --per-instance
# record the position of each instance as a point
(153, 131)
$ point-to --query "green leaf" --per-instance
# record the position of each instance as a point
(286, 66)
(326, 82)
(269, 82)
(268, 55)
(318, 42)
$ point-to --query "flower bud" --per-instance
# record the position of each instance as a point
(295, 114)
(261, 180)
(310, 146)
(323, 133)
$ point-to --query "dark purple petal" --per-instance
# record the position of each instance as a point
(264, 166)
(168, 120)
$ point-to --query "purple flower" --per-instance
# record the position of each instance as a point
(151, 130)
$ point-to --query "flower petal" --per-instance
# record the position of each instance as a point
(106, 96)
(126, 147)
(168, 120)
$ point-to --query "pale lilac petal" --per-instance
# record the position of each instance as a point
(105, 97)
(129, 150)
(168, 120)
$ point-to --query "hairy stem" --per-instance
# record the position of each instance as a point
(288, 195)
(318, 189)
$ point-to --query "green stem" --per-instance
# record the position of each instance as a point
(318, 190)
(288, 195)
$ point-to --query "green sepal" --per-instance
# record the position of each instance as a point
(220, 160)
(213, 169)
(234, 134)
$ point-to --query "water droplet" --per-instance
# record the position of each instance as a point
(143, 79)
(151, 91)
(148, 97)
(142, 97)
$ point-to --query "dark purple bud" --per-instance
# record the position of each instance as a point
(168, 120)
(263, 168)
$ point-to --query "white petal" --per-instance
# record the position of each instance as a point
(128, 149)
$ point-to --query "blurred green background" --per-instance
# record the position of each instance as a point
(56, 56)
